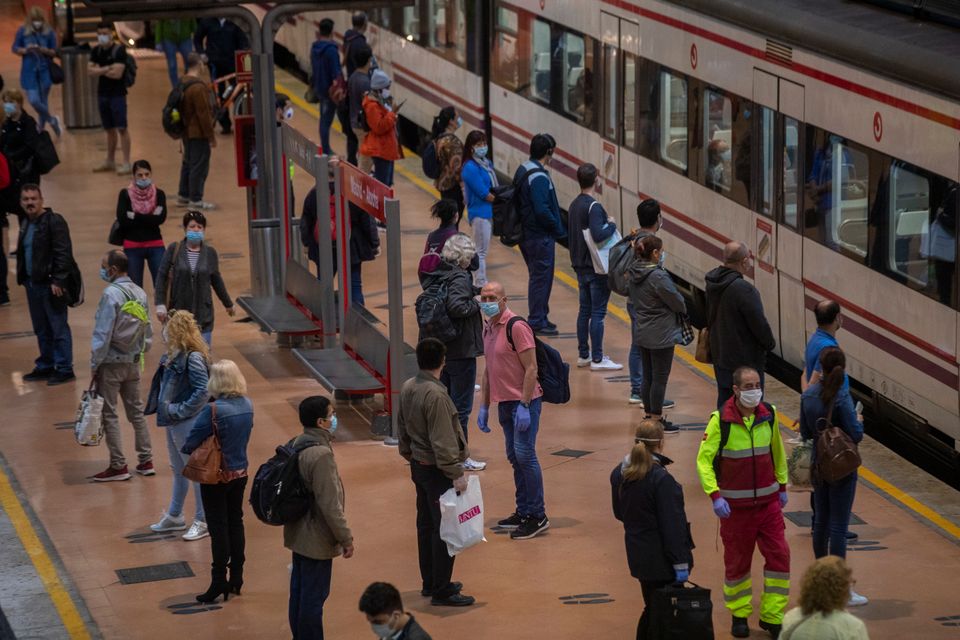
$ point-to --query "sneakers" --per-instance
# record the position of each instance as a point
(636, 399)
(104, 167)
(146, 468)
(740, 628)
(456, 600)
(59, 377)
(771, 628)
(669, 428)
(201, 205)
(182, 202)
(547, 331)
(511, 522)
(55, 125)
(197, 531)
(529, 528)
(856, 600)
(606, 364)
(38, 374)
(455, 587)
(583, 362)
(169, 523)
(124, 169)
(473, 465)
(112, 475)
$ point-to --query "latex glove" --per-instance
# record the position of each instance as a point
(783, 499)
(521, 419)
(131, 215)
(721, 508)
(681, 574)
(482, 419)
(158, 211)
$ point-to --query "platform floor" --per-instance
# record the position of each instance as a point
(78, 534)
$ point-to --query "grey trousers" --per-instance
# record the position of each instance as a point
(123, 379)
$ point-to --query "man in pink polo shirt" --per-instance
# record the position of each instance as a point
(510, 380)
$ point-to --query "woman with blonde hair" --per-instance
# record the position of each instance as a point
(177, 395)
(36, 43)
(231, 413)
(649, 503)
(824, 592)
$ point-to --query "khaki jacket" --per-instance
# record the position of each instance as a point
(321, 533)
(429, 429)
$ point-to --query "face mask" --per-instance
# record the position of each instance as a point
(663, 256)
(333, 424)
(37, 25)
(726, 155)
(385, 93)
(751, 397)
(459, 122)
(104, 274)
(480, 152)
(195, 237)
(490, 309)
(288, 114)
(382, 630)
(103, 39)
(144, 183)
(9, 108)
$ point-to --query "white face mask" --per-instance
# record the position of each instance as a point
(103, 39)
(751, 397)
(37, 25)
(288, 114)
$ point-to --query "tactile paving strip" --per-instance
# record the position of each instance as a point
(571, 453)
(805, 518)
(154, 573)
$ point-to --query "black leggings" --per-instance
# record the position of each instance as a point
(656, 369)
(223, 506)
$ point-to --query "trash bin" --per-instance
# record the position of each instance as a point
(265, 251)
(79, 89)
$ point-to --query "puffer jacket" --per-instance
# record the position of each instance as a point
(462, 307)
(656, 303)
(179, 388)
(381, 142)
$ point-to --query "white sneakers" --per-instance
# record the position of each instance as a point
(197, 531)
(856, 600)
(605, 365)
(583, 362)
(473, 465)
(169, 523)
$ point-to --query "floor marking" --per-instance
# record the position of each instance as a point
(890, 490)
(61, 599)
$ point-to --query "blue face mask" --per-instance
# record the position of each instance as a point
(9, 108)
(144, 183)
(105, 274)
(333, 424)
(663, 256)
(480, 152)
(490, 309)
(195, 237)
(459, 121)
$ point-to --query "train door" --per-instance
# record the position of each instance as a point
(620, 166)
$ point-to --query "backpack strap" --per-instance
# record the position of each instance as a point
(512, 321)
(724, 437)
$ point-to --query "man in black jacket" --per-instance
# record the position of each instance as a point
(739, 332)
(44, 266)
(218, 40)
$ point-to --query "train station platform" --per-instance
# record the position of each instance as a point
(71, 546)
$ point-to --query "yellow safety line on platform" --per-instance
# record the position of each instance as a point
(41, 561)
(897, 494)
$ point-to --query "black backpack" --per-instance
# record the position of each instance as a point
(278, 495)
(172, 117)
(553, 373)
(621, 257)
(432, 315)
(508, 216)
(129, 68)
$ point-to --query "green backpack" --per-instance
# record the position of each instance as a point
(130, 327)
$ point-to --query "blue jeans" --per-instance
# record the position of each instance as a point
(38, 100)
(137, 256)
(356, 283)
(522, 454)
(539, 252)
(635, 361)
(594, 294)
(459, 375)
(49, 317)
(170, 50)
(176, 437)
(383, 171)
(309, 589)
(833, 502)
(328, 111)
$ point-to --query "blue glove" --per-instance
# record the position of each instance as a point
(783, 499)
(721, 508)
(482, 418)
(682, 574)
(522, 418)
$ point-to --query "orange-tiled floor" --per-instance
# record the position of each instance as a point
(518, 585)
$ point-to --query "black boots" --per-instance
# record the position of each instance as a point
(218, 586)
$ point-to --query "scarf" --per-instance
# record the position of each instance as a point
(143, 200)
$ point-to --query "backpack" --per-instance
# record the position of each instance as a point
(171, 119)
(429, 161)
(837, 455)
(432, 315)
(278, 495)
(620, 258)
(131, 324)
(553, 373)
(510, 211)
(724, 436)
(129, 68)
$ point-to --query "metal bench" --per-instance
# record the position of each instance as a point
(297, 312)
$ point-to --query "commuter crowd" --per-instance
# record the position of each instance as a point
(742, 463)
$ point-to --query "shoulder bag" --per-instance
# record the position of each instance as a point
(703, 339)
(206, 462)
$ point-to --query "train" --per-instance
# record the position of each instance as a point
(825, 135)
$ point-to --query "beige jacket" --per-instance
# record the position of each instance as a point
(321, 533)
(429, 429)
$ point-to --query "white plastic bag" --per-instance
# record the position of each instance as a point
(600, 254)
(461, 517)
(88, 427)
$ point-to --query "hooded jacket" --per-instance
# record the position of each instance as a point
(656, 303)
(352, 40)
(381, 141)
(324, 66)
(740, 335)
(462, 307)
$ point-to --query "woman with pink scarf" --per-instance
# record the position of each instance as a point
(141, 209)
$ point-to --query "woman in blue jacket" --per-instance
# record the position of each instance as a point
(232, 414)
(36, 43)
(833, 501)
(478, 178)
(177, 394)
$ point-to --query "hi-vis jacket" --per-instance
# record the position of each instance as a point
(753, 464)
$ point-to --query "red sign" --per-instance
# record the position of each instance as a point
(693, 55)
(877, 126)
(244, 62)
(363, 190)
(468, 514)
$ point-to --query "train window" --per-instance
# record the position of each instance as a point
(540, 62)
(446, 34)
(673, 120)
(726, 126)
(921, 230)
(767, 127)
(410, 28)
(791, 168)
(611, 119)
(577, 76)
(509, 59)
(629, 100)
(837, 194)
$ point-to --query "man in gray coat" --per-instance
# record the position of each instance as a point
(121, 337)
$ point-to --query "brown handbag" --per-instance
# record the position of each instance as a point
(206, 462)
(703, 347)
